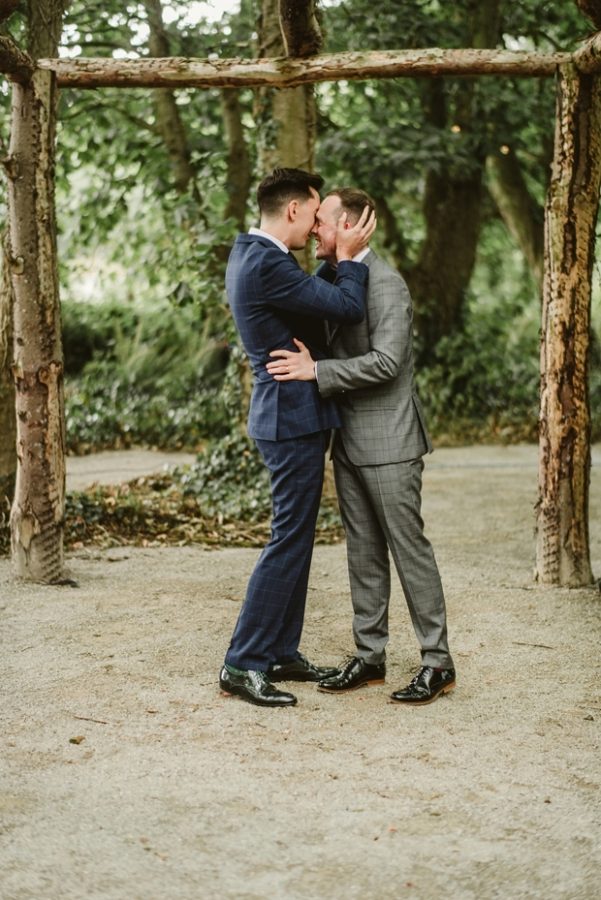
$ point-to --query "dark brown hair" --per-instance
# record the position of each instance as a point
(284, 185)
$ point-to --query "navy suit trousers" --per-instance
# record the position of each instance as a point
(271, 619)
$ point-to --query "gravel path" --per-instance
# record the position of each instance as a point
(126, 775)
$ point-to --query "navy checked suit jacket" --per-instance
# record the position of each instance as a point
(273, 300)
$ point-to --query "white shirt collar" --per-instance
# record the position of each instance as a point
(357, 258)
(270, 237)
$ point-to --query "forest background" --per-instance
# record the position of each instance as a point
(153, 185)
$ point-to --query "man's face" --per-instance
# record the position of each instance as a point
(324, 231)
(304, 221)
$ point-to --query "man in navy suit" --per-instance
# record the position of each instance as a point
(273, 300)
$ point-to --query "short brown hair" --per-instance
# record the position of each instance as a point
(353, 201)
(284, 185)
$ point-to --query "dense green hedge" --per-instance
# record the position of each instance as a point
(157, 379)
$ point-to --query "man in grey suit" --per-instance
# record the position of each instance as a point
(378, 466)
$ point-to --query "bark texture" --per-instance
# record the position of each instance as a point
(300, 28)
(290, 72)
(14, 62)
(562, 555)
(8, 452)
(38, 507)
(588, 57)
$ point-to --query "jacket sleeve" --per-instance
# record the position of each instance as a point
(286, 286)
(389, 322)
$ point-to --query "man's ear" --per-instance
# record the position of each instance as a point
(292, 210)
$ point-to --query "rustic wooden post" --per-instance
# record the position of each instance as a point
(562, 552)
(38, 507)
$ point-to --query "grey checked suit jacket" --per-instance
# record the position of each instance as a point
(371, 374)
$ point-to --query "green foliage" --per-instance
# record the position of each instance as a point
(484, 382)
(150, 348)
(156, 378)
(231, 479)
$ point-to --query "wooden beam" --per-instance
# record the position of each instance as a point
(285, 72)
(588, 58)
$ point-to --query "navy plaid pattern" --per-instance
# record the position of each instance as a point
(271, 619)
(272, 301)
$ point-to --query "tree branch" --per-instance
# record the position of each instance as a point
(14, 62)
(285, 72)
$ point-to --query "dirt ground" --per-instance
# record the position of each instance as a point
(126, 775)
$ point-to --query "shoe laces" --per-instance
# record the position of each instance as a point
(419, 673)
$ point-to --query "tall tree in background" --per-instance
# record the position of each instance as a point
(287, 118)
(38, 506)
(452, 199)
(8, 425)
(169, 121)
(8, 447)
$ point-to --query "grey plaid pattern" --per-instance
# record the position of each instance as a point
(381, 509)
(378, 468)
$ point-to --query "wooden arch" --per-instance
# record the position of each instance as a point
(563, 555)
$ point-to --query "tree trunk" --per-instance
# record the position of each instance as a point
(288, 115)
(168, 118)
(8, 427)
(562, 549)
(519, 210)
(452, 200)
(441, 277)
(239, 174)
(38, 508)
(286, 119)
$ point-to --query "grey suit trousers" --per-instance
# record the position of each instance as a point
(381, 509)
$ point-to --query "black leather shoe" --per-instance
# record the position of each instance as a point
(254, 687)
(299, 669)
(426, 686)
(354, 675)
